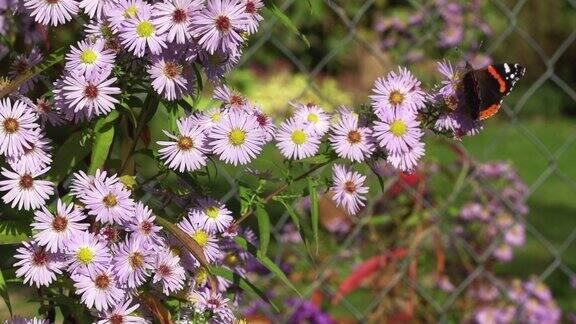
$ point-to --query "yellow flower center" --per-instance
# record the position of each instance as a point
(212, 212)
(299, 137)
(201, 238)
(136, 260)
(354, 137)
(110, 200)
(89, 56)
(215, 117)
(201, 275)
(145, 29)
(237, 137)
(85, 255)
(11, 125)
(396, 98)
(313, 118)
(398, 128)
(130, 12)
(185, 143)
(231, 259)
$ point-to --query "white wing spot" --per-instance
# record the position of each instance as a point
(506, 67)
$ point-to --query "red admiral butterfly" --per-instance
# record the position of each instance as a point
(484, 89)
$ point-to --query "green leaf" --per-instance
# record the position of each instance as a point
(293, 215)
(244, 284)
(318, 159)
(125, 109)
(4, 292)
(263, 227)
(312, 185)
(287, 22)
(265, 261)
(303, 227)
(74, 149)
(104, 135)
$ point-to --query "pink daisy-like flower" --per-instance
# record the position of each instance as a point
(98, 288)
(24, 190)
(348, 188)
(265, 122)
(174, 18)
(140, 33)
(17, 127)
(54, 230)
(109, 203)
(219, 63)
(211, 215)
(251, 8)
(132, 262)
(398, 132)
(171, 77)
(87, 56)
(205, 299)
(47, 112)
(314, 116)
(397, 92)
(36, 265)
(85, 252)
(187, 151)
(82, 182)
(207, 119)
(451, 81)
(219, 24)
(23, 320)
(22, 64)
(350, 140)
(120, 314)
(207, 241)
(95, 9)
(168, 272)
(35, 157)
(296, 140)
(237, 138)
(52, 12)
(142, 225)
(124, 10)
(230, 98)
(409, 160)
(90, 94)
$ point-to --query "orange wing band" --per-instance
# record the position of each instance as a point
(489, 112)
(498, 78)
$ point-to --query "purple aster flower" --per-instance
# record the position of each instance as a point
(168, 272)
(142, 225)
(24, 190)
(174, 19)
(265, 122)
(187, 151)
(237, 138)
(207, 241)
(219, 63)
(17, 125)
(473, 211)
(109, 203)
(55, 229)
(296, 140)
(140, 33)
(47, 112)
(86, 252)
(409, 160)
(348, 188)
(503, 253)
(22, 64)
(207, 119)
(171, 77)
(120, 314)
(206, 300)
(539, 289)
(397, 133)
(398, 91)
(23, 320)
(313, 116)
(95, 9)
(98, 288)
(36, 265)
(306, 312)
(82, 182)
(88, 56)
(124, 10)
(35, 157)
(515, 235)
(211, 215)
(251, 8)
(452, 79)
(52, 12)
(231, 99)
(350, 140)
(219, 24)
(90, 94)
(133, 259)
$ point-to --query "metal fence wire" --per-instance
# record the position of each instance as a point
(442, 310)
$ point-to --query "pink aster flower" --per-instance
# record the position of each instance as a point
(350, 140)
(409, 160)
(98, 288)
(124, 10)
(36, 265)
(207, 119)
(17, 127)
(296, 140)
(109, 203)
(85, 252)
(55, 229)
(251, 8)
(206, 300)
(265, 122)
(24, 190)
(207, 241)
(171, 77)
(313, 116)
(237, 138)
(82, 182)
(231, 99)
(133, 260)
(219, 63)
(168, 272)
(219, 24)
(398, 132)
(503, 253)
(140, 33)
(22, 64)
(348, 188)
(24, 320)
(47, 112)
(174, 18)
(36, 157)
(53, 12)
(142, 225)
(398, 91)
(87, 56)
(120, 314)
(95, 9)
(187, 150)
(211, 215)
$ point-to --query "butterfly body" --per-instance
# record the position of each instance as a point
(483, 89)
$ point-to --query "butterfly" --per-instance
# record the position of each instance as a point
(484, 89)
